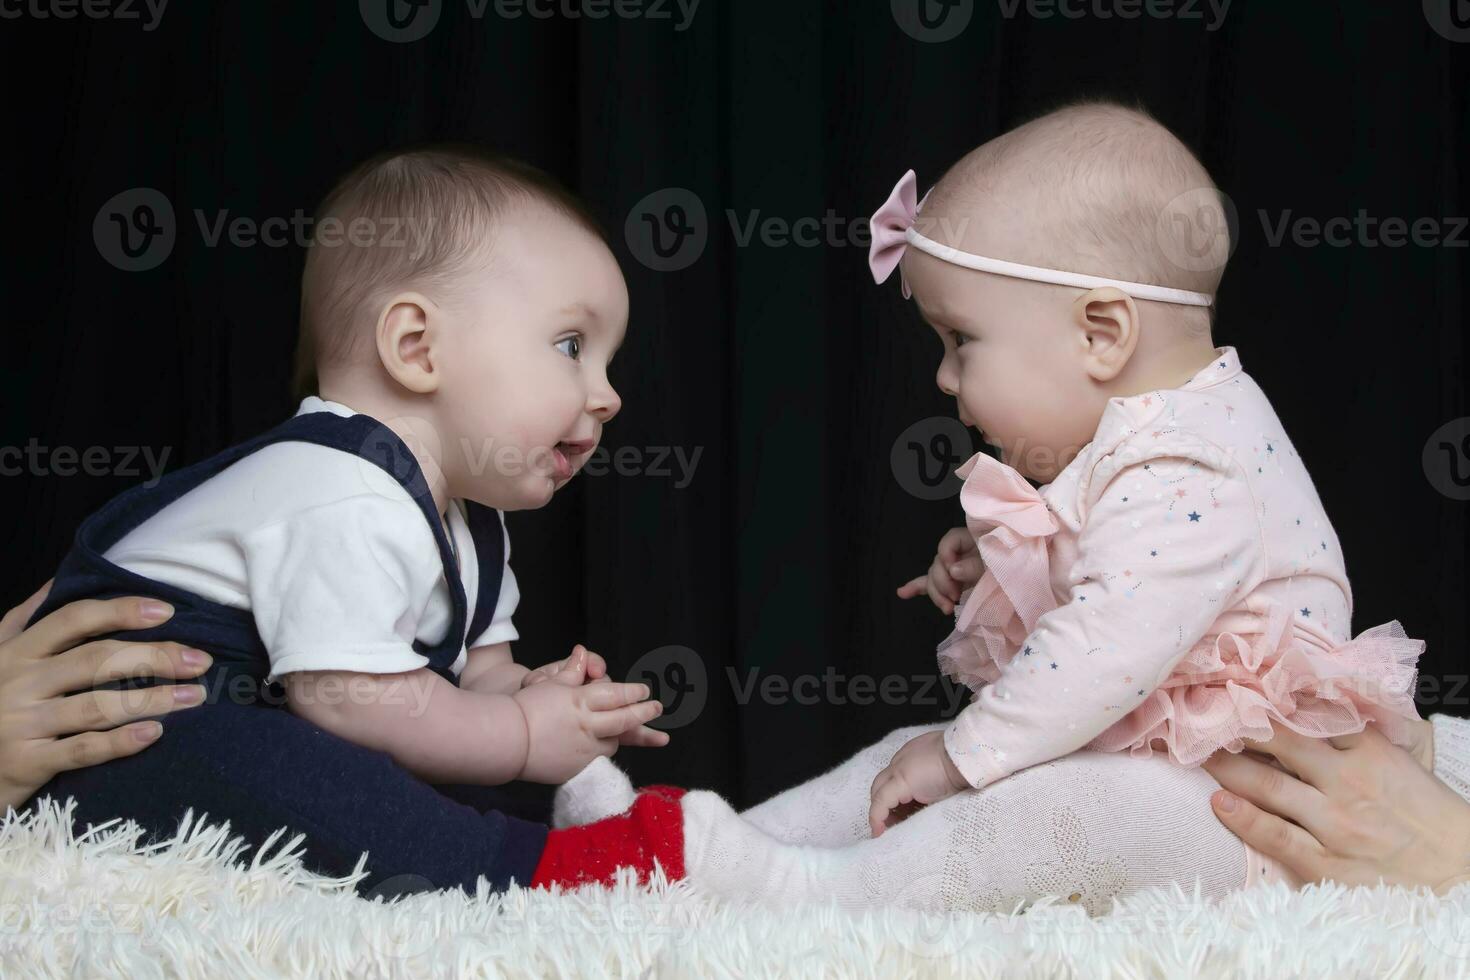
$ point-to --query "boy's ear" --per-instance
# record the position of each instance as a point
(1108, 320)
(408, 330)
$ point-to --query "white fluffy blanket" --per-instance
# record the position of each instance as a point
(200, 905)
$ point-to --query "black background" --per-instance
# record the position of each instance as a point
(785, 366)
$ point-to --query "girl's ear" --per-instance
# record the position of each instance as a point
(1107, 319)
(406, 335)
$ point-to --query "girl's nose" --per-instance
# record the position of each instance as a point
(946, 380)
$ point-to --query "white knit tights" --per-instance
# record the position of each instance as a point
(1087, 827)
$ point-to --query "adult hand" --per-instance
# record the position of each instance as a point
(45, 730)
(1357, 810)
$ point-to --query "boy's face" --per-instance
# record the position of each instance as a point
(525, 392)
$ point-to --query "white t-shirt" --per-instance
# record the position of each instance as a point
(332, 555)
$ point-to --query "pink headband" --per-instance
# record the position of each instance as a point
(893, 232)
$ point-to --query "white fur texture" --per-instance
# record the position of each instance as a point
(200, 906)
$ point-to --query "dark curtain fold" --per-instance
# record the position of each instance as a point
(758, 592)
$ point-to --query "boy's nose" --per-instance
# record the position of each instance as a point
(604, 404)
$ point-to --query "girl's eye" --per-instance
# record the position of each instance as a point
(570, 346)
(959, 339)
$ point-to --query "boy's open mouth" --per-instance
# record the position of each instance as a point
(564, 452)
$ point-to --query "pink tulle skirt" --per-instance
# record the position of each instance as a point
(1231, 687)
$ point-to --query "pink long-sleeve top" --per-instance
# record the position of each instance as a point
(1178, 582)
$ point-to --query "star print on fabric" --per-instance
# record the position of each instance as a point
(1194, 516)
(1053, 666)
(1270, 448)
(1181, 493)
(1153, 554)
(1306, 612)
(1027, 651)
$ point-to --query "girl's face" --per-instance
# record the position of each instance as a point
(526, 391)
(1014, 361)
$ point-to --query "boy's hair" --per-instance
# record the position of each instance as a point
(416, 215)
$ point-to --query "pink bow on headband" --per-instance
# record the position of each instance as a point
(889, 225)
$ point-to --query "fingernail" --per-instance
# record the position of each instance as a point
(189, 694)
(956, 569)
(196, 658)
(1228, 802)
(148, 731)
(155, 611)
(646, 692)
(658, 707)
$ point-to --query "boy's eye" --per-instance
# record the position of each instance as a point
(570, 346)
(959, 339)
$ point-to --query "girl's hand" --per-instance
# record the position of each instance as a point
(921, 773)
(38, 666)
(956, 567)
(1360, 809)
(582, 667)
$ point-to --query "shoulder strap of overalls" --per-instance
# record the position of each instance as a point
(489, 537)
(361, 435)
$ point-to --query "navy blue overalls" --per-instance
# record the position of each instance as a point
(243, 756)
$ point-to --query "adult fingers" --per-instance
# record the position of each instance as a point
(86, 618)
(644, 737)
(913, 587)
(611, 724)
(95, 748)
(596, 666)
(1278, 792)
(605, 697)
(15, 620)
(98, 710)
(102, 661)
(1311, 758)
(1272, 836)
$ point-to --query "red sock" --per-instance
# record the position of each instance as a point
(652, 829)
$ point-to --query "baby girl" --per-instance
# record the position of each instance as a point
(1174, 584)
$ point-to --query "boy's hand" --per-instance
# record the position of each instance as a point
(568, 727)
(582, 667)
(920, 773)
(956, 567)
